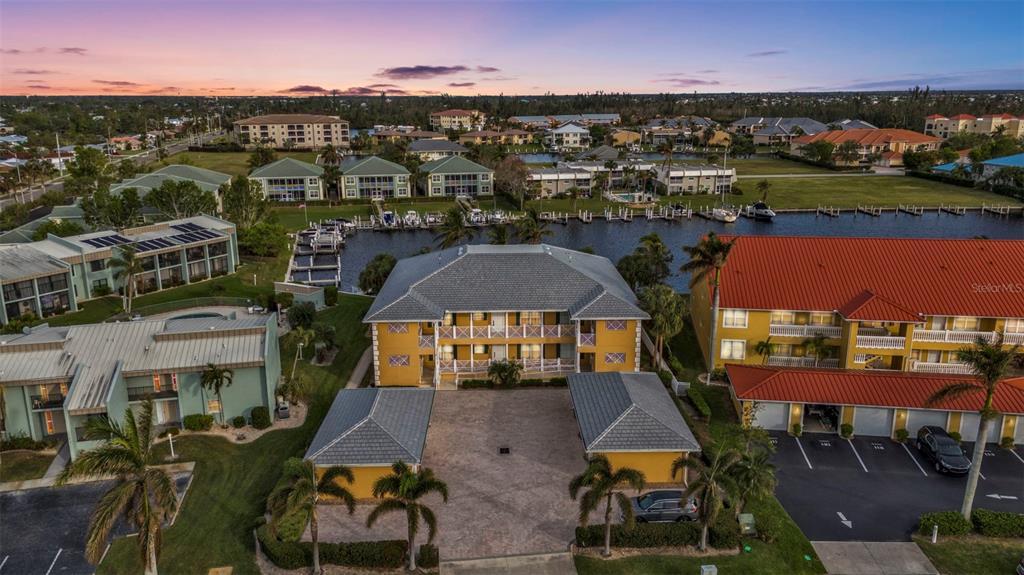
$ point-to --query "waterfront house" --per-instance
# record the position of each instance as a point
(456, 176)
(373, 178)
(209, 181)
(775, 131)
(550, 182)
(430, 150)
(290, 180)
(883, 146)
(509, 137)
(695, 179)
(559, 119)
(569, 136)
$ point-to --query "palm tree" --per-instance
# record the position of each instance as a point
(498, 235)
(817, 345)
(610, 165)
(453, 230)
(666, 148)
(301, 492)
(989, 362)
(143, 494)
(763, 187)
(214, 379)
(330, 155)
(666, 309)
(573, 193)
(712, 485)
(754, 475)
(331, 175)
(601, 482)
(707, 258)
(402, 490)
(763, 348)
(531, 229)
(505, 373)
(126, 267)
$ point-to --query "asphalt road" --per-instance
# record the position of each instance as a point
(42, 531)
(873, 489)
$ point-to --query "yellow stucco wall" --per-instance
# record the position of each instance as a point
(953, 421)
(656, 466)
(615, 341)
(389, 344)
(363, 480)
(1009, 428)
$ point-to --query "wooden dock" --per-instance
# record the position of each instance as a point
(995, 210)
(870, 210)
(827, 211)
(912, 210)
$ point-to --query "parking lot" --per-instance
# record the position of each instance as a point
(42, 531)
(874, 489)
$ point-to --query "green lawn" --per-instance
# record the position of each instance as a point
(973, 554)
(234, 163)
(763, 166)
(23, 465)
(231, 482)
(881, 191)
(295, 218)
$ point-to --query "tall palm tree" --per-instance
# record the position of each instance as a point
(453, 230)
(531, 229)
(989, 362)
(817, 345)
(764, 349)
(498, 235)
(707, 259)
(126, 267)
(214, 379)
(610, 165)
(143, 494)
(763, 187)
(601, 482)
(402, 490)
(330, 155)
(574, 193)
(666, 148)
(667, 310)
(755, 476)
(712, 483)
(302, 492)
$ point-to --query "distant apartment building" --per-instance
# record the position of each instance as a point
(56, 379)
(509, 137)
(303, 131)
(429, 150)
(458, 120)
(621, 138)
(125, 143)
(51, 276)
(549, 182)
(209, 181)
(883, 146)
(695, 179)
(943, 127)
(616, 173)
(570, 136)
(456, 176)
(375, 178)
(290, 180)
(559, 119)
(393, 136)
(775, 131)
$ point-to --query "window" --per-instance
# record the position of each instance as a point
(783, 318)
(447, 352)
(398, 328)
(734, 348)
(530, 318)
(734, 318)
(529, 351)
(615, 325)
(615, 357)
(398, 361)
(99, 284)
(966, 324)
(449, 319)
(1014, 325)
(821, 318)
(480, 349)
(479, 316)
(212, 406)
(97, 265)
(782, 349)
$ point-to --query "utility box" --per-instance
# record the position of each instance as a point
(708, 570)
(747, 524)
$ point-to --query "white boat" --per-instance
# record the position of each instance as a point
(434, 219)
(388, 219)
(724, 214)
(498, 217)
(412, 219)
(477, 217)
(760, 211)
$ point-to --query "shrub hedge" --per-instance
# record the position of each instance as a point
(997, 523)
(331, 295)
(23, 441)
(366, 554)
(725, 533)
(198, 422)
(238, 421)
(260, 417)
(488, 384)
(428, 556)
(949, 522)
(951, 180)
(698, 401)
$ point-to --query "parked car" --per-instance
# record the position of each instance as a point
(282, 410)
(1020, 567)
(663, 507)
(942, 450)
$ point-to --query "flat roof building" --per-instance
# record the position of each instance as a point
(304, 131)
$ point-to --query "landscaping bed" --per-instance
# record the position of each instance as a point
(22, 465)
(972, 554)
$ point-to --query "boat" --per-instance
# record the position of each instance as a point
(477, 217)
(434, 219)
(760, 211)
(388, 219)
(724, 214)
(412, 219)
(498, 217)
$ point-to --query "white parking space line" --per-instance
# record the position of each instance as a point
(914, 459)
(979, 472)
(54, 562)
(858, 456)
(4, 562)
(1015, 454)
(809, 466)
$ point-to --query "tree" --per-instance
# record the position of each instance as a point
(143, 493)
(329, 154)
(848, 152)
(764, 349)
(302, 491)
(707, 259)
(262, 239)
(510, 178)
(665, 149)
(817, 345)
(505, 373)
(126, 169)
(243, 202)
(373, 276)
(331, 175)
(181, 199)
(498, 235)
(214, 379)
(126, 267)
(59, 228)
(819, 151)
(989, 362)
(712, 484)
(530, 229)
(453, 229)
(573, 193)
(301, 315)
(261, 156)
(754, 476)
(104, 209)
(667, 310)
(88, 172)
(401, 491)
(763, 187)
(602, 483)
(609, 166)
(741, 145)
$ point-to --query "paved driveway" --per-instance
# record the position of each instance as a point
(873, 489)
(510, 504)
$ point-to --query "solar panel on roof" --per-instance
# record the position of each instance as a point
(187, 227)
(106, 241)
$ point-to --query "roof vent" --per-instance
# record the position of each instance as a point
(504, 450)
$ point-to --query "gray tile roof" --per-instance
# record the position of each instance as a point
(504, 278)
(454, 165)
(374, 166)
(853, 124)
(435, 146)
(287, 168)
(787, 125)
(373, 426)
(628, 412)
(599, 153)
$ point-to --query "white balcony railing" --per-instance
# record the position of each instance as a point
(426, 341)
(588, 339)
(949, 368)
(529, 365)
(785, 330)
(501, 332)
(952, 336)
(784, 361)
(1013, 338)
(881, 342)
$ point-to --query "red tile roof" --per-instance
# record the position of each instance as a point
(951, 277)
(455, 112)
(869, 136)
(934, 117)
(868, 306)
(864, 387)
(1003, 116)
(963, 117)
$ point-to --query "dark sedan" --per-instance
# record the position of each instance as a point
(664, 507)
(942, 450)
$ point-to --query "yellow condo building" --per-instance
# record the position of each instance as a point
(899, 308)
(444, 317)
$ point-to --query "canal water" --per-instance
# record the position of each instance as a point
(616, 239)
(549, 158)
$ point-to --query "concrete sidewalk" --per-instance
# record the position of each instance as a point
(873, 558)
(360, 370)
(542, 564)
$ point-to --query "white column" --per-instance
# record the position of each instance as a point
(579, 326)
(437, 356)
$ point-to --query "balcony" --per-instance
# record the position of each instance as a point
(946, 368)
(784, 361)
(426, 341)
(466, 366)
(588, 339)
(881, 342)
(49, 401)
(141, 393)
(952, 336)
(784, 330)
(1013, 338)
(504, 332)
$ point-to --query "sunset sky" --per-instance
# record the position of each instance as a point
(236, 47)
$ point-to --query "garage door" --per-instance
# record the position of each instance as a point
(772, 416)
(918, 418)
(1020, 430)
(873, 421)
(969, 426)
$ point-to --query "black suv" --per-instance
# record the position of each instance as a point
(942, 450)
(664, 506)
